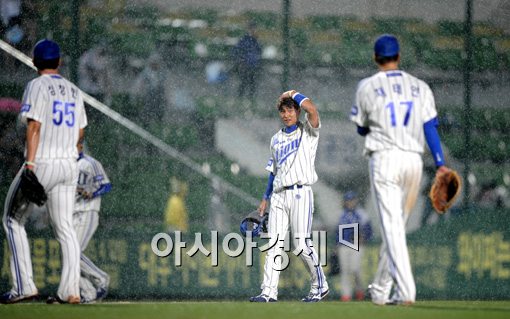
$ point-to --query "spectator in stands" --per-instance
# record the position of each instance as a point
(215, 72)
(10, 11)
(491, 196)
(150, 90)
(176, 214)
(247, 62)
(94, 73)
(503, 200)
(350, 259)
(11, 29)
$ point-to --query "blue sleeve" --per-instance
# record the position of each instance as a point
(105, 188)
(433, 141)
(269, 188)
(363, 131)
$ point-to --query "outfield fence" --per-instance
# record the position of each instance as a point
(466, 257)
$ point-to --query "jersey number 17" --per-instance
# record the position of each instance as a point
(409, 107)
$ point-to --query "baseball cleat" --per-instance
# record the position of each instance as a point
(56, 300)
(374, 299)
(398, 303)
(315, 297)
(87, 301)
(262, 298)
(10, 298)
(101, 293)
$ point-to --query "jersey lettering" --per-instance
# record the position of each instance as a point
(397, 88)
(395, 109)
(380, 92)
(415, 91)
(283, 153)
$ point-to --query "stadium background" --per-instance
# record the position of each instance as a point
(465, 254)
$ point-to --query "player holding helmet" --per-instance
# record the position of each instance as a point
(292, 172)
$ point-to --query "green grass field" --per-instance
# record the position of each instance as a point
(244, 310)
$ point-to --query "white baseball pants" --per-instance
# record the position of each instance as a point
(85, 224)
(59, 179)
(395, 176)
(294, 208)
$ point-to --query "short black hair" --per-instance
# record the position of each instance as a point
(46, 64)
(386, 59)
(287, 102)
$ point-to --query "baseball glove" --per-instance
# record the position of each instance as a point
(445, 190)
(31, 188)
(255, 223)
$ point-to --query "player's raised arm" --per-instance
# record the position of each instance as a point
(311, 110)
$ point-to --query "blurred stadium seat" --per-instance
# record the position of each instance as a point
(316, 41)
(490, 147)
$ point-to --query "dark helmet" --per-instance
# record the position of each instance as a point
(46, 50)
(254, 223)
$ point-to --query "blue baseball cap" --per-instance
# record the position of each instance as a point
(46, 50)
(350, 195)
(386, 45)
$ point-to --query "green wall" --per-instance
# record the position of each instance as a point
(464, 257)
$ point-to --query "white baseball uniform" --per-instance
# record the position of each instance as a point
(394, 105)
(293, 164)
(86, 218)
(58, 105)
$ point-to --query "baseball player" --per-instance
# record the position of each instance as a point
(53, 110)
(93, 183)
(291, 174)
(396, 113)
(350, 259)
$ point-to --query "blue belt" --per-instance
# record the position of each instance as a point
(295, 186)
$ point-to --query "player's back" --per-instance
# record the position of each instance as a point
(396, 104)
(58, 105)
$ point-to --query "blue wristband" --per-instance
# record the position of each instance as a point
(299, 98)
(103, 189)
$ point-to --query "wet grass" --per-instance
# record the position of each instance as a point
(243, 309)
